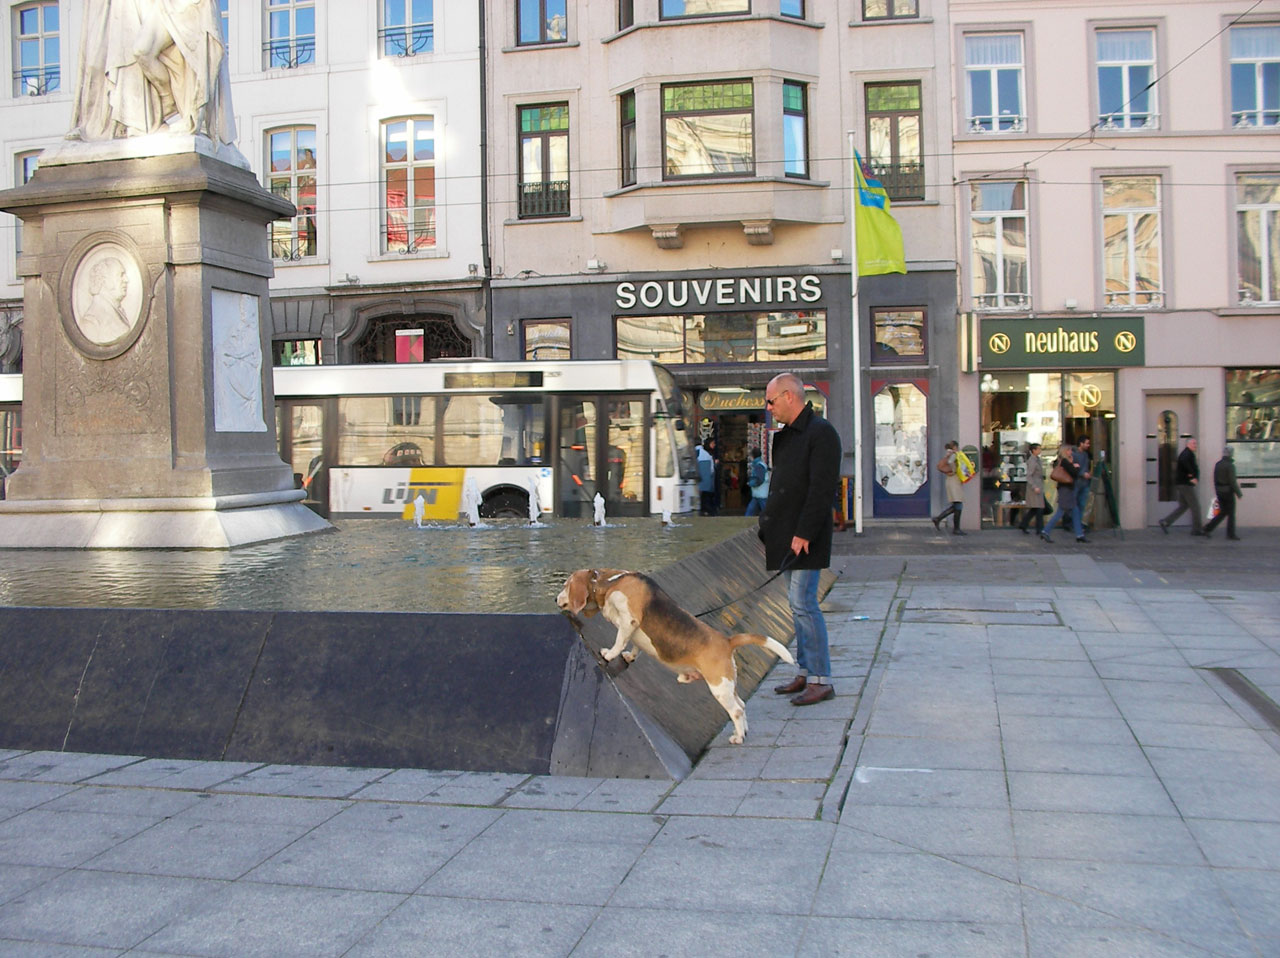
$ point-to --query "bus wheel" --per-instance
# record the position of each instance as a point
(505, 505)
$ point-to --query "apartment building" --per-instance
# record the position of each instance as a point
(1117, 170)
(670, 180)
(366, 116)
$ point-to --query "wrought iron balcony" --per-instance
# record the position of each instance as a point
(549, 198)
(902, 181)
(289, 52)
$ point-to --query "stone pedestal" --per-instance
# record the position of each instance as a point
(148, 412)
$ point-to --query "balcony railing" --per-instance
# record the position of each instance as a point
(36, 81)
(289, 52)
(407, 41)
(1129, 121)
(902, 181)
(995, 301)
(550, 198)
(1004, 123)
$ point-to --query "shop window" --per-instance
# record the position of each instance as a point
(1126, 79)
(999, 264)
(894, 149)
(37, 50)
(901, 413)
(1258, 237)
(291, 159)
(1255, 76)
(1131, 241)
(295, 352)
(544, 160)
(781, 336)
(1253, 420)
(409, 184)
(546, 339)
(627, 144)
(890, 9)
(291, 28)
(898, 336)
(408, 27)
(795, 129)
(707, 129)
(994, 83)
(680, 9)
(541, 21)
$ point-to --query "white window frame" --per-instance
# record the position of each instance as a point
(409, 166)
(999, 121)
(1126, 118)
(1000, 298)
(1131, 297)
(45, 77)
(1263, 53)
(409, 37)
(294, 49)
(298, 222)
(1268, 229)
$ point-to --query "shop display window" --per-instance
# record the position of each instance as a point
(730, 337)
(902, 438)
(1253, 420)
(898, 336)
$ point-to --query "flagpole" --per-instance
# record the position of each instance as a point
(855, 340)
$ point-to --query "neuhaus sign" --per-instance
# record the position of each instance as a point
(740, 291)
(1074, 343)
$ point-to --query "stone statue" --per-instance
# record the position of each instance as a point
(152, 66)
(10, 342)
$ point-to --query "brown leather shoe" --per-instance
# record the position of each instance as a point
(814, 694)
(791, 688)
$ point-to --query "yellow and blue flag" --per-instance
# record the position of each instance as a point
(879, 238)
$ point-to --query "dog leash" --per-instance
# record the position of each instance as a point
(789, 560)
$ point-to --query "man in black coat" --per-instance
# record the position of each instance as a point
(1185, 481)
(796, 526)
(1227, 489)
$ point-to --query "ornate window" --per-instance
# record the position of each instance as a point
(291, 162)
(541, 21)
(408, 27)
(544, 160)
(291, 26)
(795, 129)
(37, 50)
(1131, 241)
(1126, 75)
(894, 148)
(707, 129)
(409, 184)
(998, 260)
(994, 83)
(1258, 237)
(1255, 76)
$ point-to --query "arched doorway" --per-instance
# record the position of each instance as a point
(440, 339)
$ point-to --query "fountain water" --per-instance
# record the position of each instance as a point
(598, 502)
(471, 501)
(535, 506)
(419, 510)
(666, 516)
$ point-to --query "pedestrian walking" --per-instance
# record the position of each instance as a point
(1186, 479)
(757, 482)
(706, 479)
(1065, 472)
(955, 489)
(1081, 456)
(796, 526)
(1227, 488)
(1033, 498)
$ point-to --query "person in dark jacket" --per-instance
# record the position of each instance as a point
(1066, 496)
(1185, 481)
(796, 526)
(1227, 489)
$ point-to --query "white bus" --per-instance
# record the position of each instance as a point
(367, 440)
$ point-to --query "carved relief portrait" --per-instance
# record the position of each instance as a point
(107, 294)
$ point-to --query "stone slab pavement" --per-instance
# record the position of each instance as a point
(1035, 751)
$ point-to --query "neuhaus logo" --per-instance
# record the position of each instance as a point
(740, 291)
(1062, 341)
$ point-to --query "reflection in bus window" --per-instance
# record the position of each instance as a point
(370, 426)
(577, 439)
(624, 478)
(480, 430)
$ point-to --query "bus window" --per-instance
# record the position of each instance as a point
(481, 430)
(577, 441)
(386, 430)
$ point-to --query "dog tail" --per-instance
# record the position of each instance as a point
(773, 645)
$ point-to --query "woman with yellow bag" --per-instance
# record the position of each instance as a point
(958, 468)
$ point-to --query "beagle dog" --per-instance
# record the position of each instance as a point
(651, 619)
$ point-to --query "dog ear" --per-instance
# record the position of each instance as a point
(578, 588)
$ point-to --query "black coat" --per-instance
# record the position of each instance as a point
(1188, 468)
(802, 491)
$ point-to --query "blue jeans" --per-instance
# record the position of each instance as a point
(755, 506)
(1066, 503)
(812, 654)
